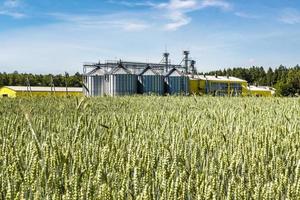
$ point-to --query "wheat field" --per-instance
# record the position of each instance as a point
(150, 148)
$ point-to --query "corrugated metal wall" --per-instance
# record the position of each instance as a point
(121, 84)
(177, 85)
(151, 84)
(95, 85)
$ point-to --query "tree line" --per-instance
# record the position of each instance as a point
(285, 80)
(21, 79)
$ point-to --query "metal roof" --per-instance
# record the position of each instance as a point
(149, 71)
(217, 78)
(172, 72)
(44, 89)
(95, 72)
(120, 70)
(261, 88)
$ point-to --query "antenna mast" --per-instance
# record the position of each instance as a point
(166, 61)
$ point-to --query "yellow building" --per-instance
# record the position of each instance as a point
(260, 91)
(21, 91)
(217, 85)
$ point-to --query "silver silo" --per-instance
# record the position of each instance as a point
(177, 82)
(150, 82)
(94, 83)
(120, 81)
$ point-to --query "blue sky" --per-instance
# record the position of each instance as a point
(53, 36)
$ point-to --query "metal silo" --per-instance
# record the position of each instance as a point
(120, 81)
(150, 82)
(177, 82)
(94, 83)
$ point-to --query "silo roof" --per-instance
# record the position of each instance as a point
(149, 71)
(120, 70)
(174, 72)
(95, 72)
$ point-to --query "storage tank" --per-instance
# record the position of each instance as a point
(177, 82)
(94, 83)
(120, 81)
(150, 82)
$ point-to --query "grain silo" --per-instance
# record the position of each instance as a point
(120, 81)
(176, 82)
(150, 82)
(94, 83)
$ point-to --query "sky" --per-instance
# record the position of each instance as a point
(57, 36)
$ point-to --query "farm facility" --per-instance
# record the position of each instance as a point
(21, 91)
(118, 78)
(123, 78)
(217, 85)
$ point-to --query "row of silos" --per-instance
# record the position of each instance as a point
(120, 81)
(151, 82)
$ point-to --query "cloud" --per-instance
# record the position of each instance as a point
(103, 22)
(290, 16)
(11, 3)
(216, 3)
(178, 20)
(13, 14)
(12, 8)
(246, 15)
(133, 4)
(177, 10)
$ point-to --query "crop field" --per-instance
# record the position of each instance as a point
(150, 148)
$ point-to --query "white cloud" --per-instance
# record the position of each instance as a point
(133, 4)
(177, 10)
(11, 8)
(16, 15)
(246, 15)
(104, 22)
(11, 3)
(216, 3)
(290, 16)
(178, 20)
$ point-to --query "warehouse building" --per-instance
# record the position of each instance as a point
(217, 85)
(24, 91)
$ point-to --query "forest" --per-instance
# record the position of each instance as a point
(286, 80)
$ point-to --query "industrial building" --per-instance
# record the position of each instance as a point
(151, 81)
(226, 86)
(23, 91)
(117, 78)
(177, 82)
(217, 85)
